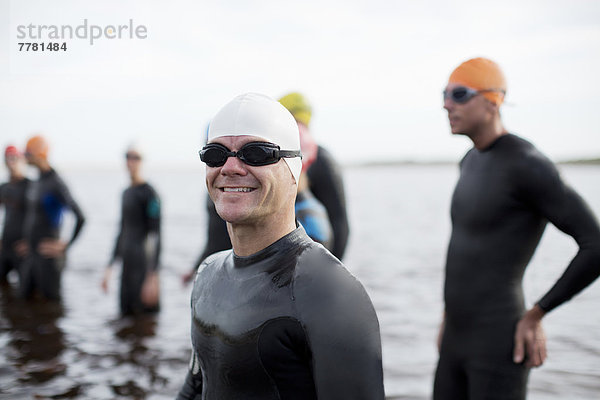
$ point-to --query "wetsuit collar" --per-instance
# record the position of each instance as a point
(494, 143)
(280, 249)
(17, 179)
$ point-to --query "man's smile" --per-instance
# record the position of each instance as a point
(237, 189)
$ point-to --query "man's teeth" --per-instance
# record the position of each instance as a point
(241, 189)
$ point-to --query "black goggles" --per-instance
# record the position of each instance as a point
(462, 94)
(254, 153)
(132, 156)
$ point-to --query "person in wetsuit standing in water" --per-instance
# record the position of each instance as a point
(323, 174)
(278, 316)
(44, 251)
(12, 197)
(138, 242)
(506, 193)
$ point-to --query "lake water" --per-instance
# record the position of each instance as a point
(399, 232)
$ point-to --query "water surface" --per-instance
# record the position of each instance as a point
(399, 231)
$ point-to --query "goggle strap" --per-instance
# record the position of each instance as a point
(288, 153)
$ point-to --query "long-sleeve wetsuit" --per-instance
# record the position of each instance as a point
(46, 200)
(503, 199)
(12, 197)
(138, 244)
(288, 322)
(325, 180)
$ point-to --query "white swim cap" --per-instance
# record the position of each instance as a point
(255, 114)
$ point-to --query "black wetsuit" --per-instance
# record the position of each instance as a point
(325, 180)
(46, 199)
(288, 322)
(217, 237)
(326, 185)
(503, 199)
(12, 196)
(138, 244)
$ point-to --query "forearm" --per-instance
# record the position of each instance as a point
(568, 211)
(341, 232)
(581, 272)
(326, 183)
(153, 250)
(80, 221)
(116, 250)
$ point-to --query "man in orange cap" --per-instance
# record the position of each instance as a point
(12, 197)
(506, 193)
(44, 251)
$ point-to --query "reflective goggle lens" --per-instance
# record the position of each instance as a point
(460, 94)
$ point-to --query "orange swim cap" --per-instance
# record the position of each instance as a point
(481, 74)
(38, 146)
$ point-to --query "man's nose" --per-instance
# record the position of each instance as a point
(234, 166)
(448, 103)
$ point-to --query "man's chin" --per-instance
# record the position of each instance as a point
(456, 131)
(233, 216)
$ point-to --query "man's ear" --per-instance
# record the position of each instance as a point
(493, 107)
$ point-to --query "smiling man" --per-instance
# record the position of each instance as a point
(506, 194)
(276, 317)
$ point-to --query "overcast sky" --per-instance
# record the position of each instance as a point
(373, 71)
